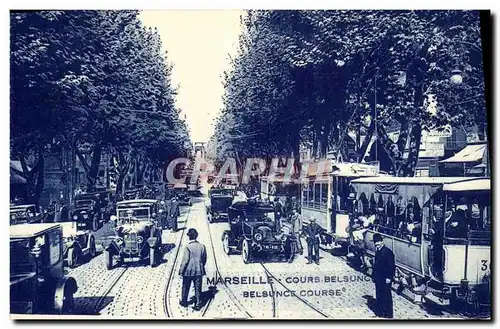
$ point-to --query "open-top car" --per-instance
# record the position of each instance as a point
(219, 201)
(25, 214)
(38, 283)
(254, 231)
(138, 232)
(86, 210)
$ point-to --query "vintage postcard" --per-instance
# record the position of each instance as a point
(253, 164)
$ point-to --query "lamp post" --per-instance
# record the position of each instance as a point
(456, 75)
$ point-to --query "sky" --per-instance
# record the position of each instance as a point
(198, 43)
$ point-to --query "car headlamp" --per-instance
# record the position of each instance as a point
(258, 236)
(140, 239)
(75, 217)
(85, 216)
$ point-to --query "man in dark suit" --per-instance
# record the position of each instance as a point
(173, 213)
(384, 269)
(193, 269)
(312, 233)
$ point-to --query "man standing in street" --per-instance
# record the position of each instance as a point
(384, 269)
(312, 233)
(173, 213)
(193, 269)
(296, 221)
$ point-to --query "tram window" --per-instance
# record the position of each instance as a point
(363, 204)
(324, 195)
(475, 220)
(390, 213)
(373, 204)
(381, 215)
(487, 218)
(317, 195)
(310, 199)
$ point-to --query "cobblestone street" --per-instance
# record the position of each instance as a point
(134, 290)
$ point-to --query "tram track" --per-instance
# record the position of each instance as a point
(224, 284)
(102, 298)
(275, 308)
(166, 300)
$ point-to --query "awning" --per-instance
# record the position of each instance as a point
(483, 184)
(471, 153)
(421, 192)
(324, 167)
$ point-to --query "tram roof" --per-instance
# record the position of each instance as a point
(483, 184)
(411, 180)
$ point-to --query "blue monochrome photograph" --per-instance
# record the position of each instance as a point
(250, 164)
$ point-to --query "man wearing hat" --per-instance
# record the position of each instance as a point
(312, 233)
(384, 269)
(173, 213)
(193, 269)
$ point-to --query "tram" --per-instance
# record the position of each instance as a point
(326, 182)
(439, 229)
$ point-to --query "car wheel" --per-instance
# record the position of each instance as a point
(68, 301)
(109, 259)
(93, 249)
(225, 243)
(72, 257)
(246, 253)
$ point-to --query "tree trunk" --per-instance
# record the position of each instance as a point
(366, 142)
(93, 169)
(408, 169)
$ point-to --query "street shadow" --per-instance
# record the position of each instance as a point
(166, 248)
(88, 305)
(371, 303)
(206, 296)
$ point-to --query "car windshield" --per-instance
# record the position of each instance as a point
(83, 203)
(137, 213)
(259, 216)
(221, 192)
(21, 260)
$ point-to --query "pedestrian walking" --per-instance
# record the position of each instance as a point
(384, 269)
(173, 214)
(193, 269)
(312, 233)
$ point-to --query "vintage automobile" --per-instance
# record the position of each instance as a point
(25, 214)
(79, 242)
(254, 231)
(181, 191)
(219, 201)
(86, 210)
(38, 283)
(138, 232)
